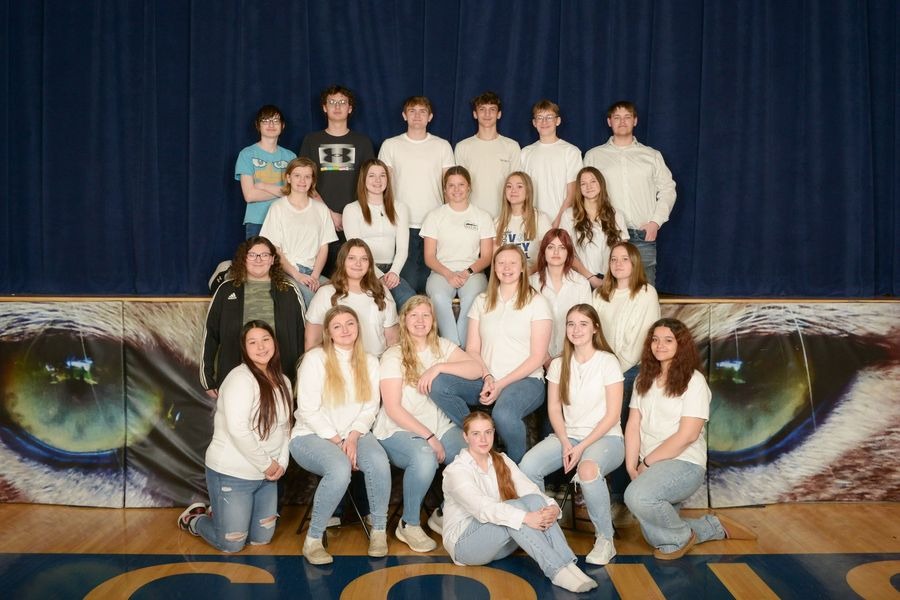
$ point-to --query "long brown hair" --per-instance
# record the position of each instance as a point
(638, 279)
(335, 389)
(606, 214)
(598, 341)
(238, 270)
(269, 381)
(370, 284)
(563, 236)
(412, 366)
(362, 195)
(529, 214)
(682, 367)
(504, 477)
(524, 291)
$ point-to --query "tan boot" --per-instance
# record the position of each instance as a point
(315, 552)
(378, 543)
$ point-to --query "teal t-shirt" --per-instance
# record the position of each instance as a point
(265, 167)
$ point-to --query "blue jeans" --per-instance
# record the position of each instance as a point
(305, 291)
(402, 292)
(653, 499)
(413, 454)
(323, 457)
(239, 510)
(482, 543)
(454, 395)
(442, 294)
(648, 253)
(608, 452)
(414, 270)
(251, 230)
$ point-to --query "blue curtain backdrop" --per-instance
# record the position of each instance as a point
(121, 122)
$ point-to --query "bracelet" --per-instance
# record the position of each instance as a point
(429, 437)
(486, 375)
(644, 462)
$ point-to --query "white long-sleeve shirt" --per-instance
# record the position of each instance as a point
(326, 420)
(471, 494)
(236, 448)
(626, 320)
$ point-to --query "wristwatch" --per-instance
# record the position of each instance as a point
(469, 269)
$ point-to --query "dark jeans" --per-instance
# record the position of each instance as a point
(415, 271)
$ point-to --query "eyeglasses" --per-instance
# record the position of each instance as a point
(333, 102)
(271, 121)
(544, 118)
(259, 255)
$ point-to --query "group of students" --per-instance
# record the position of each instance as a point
(542, 287)
(427, 401)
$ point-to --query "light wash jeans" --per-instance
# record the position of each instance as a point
(402, 292)
(413, 454)
(454, 395)
(608, 452)
(654, 497)
(305, 291)
(323, 457)
(442, 294)
(482, 543)
(237, 509)
(647, 251)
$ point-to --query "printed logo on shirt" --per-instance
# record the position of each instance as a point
(232, 296)
(337, 157)
(471, 226)
(280, 164)
(514, 238)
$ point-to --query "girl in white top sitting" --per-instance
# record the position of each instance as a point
(509, 332)
(356, 285)
(584, 401)
(520, 223)
(594, 225)
(249, 449)
(337, 400)
(559, 283)
(665, 446)
(491, 509)
(382, 224)
(416, 434)
(457, 238)
(301, 228)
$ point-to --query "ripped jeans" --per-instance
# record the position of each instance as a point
(241, 511)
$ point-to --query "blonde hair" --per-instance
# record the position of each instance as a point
(598, 341)
(335, 388)
(529, 214)
(524, 291)
(412, 366)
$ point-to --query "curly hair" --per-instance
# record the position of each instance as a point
(682, 367)
(636, 282)
(606, 214)
(369, 284)
(270, 381)
(566, 240)
(362, 195)
(238, 270)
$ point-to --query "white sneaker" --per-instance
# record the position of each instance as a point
(436, 521)
(378, 543)
(315, 552)
(415, 537)
(333, 522)
(603, 551)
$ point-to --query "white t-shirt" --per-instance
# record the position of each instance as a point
(587, 392)
(515, 234)
(372, 322)
(299, 233)
(506, 332)
(551, 167)
(661, 415)
(625, 321)
(389, 242)
(575, 289)
(236, 448)
(594, 255)
(313, 416)
(488, 162)
(418, 405)
(417, 167)
(458, 234)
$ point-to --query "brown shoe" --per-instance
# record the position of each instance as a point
(692, 541)
(734, 530)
